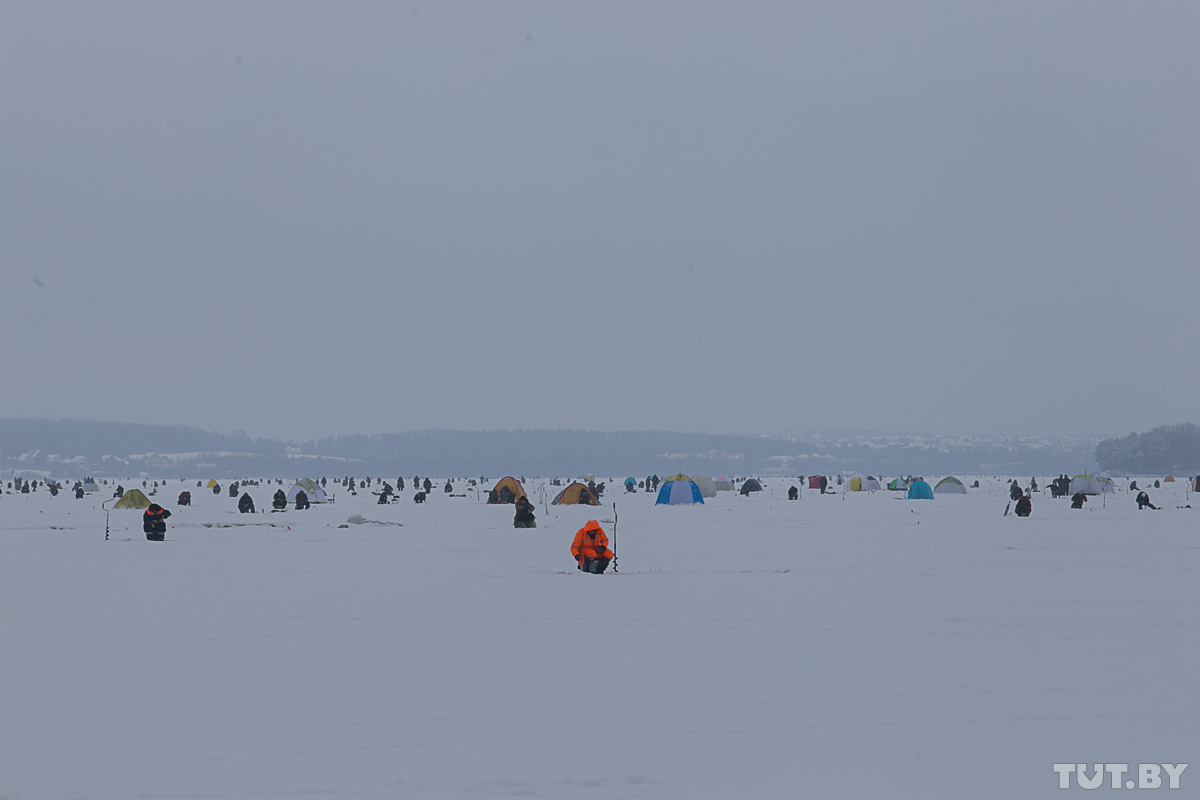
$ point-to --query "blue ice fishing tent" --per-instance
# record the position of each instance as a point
(679, 490)
(919, 490)
(631, 481)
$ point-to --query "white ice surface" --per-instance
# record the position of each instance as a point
(857, 646)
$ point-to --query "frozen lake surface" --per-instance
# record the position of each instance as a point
(836, 646)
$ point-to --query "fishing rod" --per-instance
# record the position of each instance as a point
(615, 570)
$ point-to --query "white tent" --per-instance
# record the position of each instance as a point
(863, 483)
(708, 487)
(1090, 484)
(723, 484)
(315, 495)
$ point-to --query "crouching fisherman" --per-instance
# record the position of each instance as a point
(279, 501)
(524, 517)
(590, 548)
(154, 522)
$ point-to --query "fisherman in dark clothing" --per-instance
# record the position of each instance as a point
(428, 486)
(419, 497)
(824, 484)
(449, 487)
(383, 499)
(246, 504)
(1024, 506)
(1033, 487)
(279, 501)
(216, 488)
(1078, 499)
(793, 493)
(524, 517)
(120, 489)
(1143, 501)
(301, 500)
(154, 522)
(1014, 491)
(78, 492)
(1133, 486)
(400, 483)
(233, 489)
(185, 498)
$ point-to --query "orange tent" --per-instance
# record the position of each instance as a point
(515, 491)
(575, 494)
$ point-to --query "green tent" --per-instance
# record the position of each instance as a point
(133, 499)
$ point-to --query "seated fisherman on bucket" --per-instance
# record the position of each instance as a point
(590, 548)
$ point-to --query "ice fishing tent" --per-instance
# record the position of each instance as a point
(898, 484)
(1196, 484)
(814, 481)
(311, 489)
(211, 483)
(708, 487)
(571, 496)
(860, 484)
(749, 486)
(631, 481)
(89, 486)
(506, 490)
(950, 485)
(1169, 479)
(133, 499)
(679, 490)
(1090, 484)
(919, 490)
(723, 484)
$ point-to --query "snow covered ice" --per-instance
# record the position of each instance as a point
(835, 646)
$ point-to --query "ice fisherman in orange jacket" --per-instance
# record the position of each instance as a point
(590, 548)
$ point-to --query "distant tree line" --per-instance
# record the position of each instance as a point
(71, 448)
(1165, 449)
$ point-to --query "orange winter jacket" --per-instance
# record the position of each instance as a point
(590, 542)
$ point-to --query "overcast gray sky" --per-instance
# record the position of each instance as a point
(304, 219)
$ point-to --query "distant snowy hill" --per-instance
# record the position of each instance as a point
(69, 448)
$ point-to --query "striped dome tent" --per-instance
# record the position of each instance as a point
(679, 490)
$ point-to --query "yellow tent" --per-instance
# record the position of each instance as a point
(133, 499)
(513, 485)
(679, 476)
(212, 482)
(574, 495)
